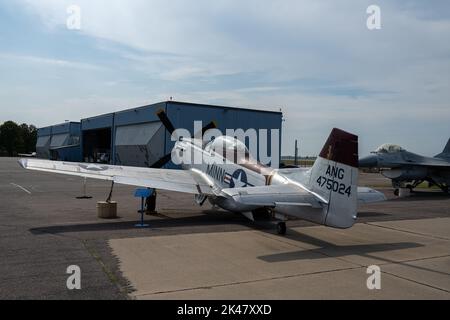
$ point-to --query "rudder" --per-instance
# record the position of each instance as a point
(334, 176)
(447, 147)
(446, 152)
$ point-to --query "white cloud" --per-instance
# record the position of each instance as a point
(36, 60)
(289, 38)
(315, 59)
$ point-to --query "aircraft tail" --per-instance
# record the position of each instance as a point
(446, 152)
(334, 177)
(447, 147)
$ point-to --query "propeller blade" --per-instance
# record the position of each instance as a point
(161, 162)
(211, 125)
(165, 120)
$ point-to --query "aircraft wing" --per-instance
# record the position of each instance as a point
(166, 179)
(416, 160)
(438, 163)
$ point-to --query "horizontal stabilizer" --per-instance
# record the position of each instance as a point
(368, 195)
(271, 196)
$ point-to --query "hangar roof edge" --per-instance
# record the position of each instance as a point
(223, 107)
(184, 103)
(59, 124)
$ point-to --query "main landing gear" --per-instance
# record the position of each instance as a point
(443, 187)
(410, 186)
(281, 228)
(273, 217)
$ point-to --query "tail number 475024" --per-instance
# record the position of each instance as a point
(334, 186)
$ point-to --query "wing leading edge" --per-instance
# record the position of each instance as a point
(166, 179)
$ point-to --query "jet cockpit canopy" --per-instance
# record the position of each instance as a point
(388, 148)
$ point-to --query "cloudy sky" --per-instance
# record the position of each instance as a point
(316, 60)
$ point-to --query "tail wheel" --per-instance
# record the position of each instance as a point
(281, 228)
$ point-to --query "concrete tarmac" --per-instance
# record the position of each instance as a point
(201, 253)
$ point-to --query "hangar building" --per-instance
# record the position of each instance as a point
(59, 142)
(136, 137)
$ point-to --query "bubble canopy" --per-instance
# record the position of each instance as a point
(225, 143)
(389, 148)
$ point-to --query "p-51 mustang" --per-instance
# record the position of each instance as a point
(326, 194)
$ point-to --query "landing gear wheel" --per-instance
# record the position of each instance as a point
(396, 192)
(281, 228)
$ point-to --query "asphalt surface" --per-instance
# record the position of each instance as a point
(44, 229)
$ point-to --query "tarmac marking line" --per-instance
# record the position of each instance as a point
(20, 187)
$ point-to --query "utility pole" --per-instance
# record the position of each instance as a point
(296, 153)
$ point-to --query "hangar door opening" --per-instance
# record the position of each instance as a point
(139, 145)
(97, 145)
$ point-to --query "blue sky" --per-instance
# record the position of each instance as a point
(316, 60)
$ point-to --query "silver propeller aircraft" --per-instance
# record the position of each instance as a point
(407, 169)
(326, 194)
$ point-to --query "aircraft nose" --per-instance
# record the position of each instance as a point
(368, 162)
(23, 163)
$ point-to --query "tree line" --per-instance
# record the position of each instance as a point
(15, 138)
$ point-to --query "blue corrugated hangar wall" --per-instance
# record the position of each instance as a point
(136, 137)
(60, 142)
(44, 136)
(183, 115)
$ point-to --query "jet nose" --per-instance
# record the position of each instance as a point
(368, 162)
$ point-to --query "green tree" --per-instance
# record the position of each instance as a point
(29, 137)
(11, 139)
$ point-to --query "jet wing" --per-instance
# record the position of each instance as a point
(166, 179)
(426, 163)
(415, 160)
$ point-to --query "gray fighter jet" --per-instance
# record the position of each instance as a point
(407, 169)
